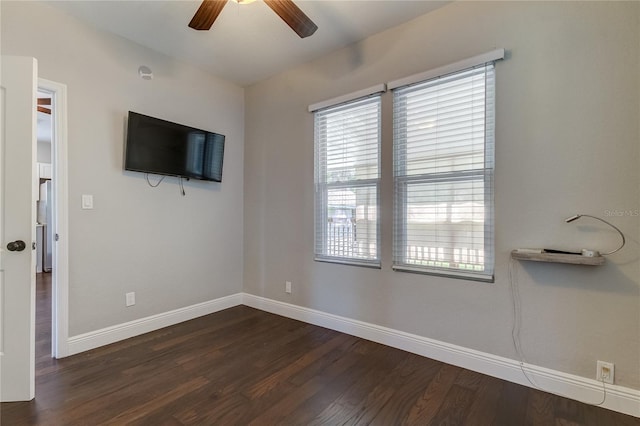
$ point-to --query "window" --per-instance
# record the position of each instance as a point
(347, 182)
(443, 174)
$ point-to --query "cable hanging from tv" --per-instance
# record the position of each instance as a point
(146, 175)
(182, 187)
(182, 191)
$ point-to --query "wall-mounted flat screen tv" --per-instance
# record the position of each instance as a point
(165, 148)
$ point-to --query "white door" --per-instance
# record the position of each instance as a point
(18, 81)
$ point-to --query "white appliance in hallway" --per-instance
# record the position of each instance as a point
(44, 234)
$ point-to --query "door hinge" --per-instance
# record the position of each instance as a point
(57, 237)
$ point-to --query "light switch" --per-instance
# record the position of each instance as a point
(87, 202)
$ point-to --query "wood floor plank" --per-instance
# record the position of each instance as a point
(483, 409)
(211, 407)
(266, 384)
(540, 410)
(381, 393)
(470, 379)
(348, 405)
(139, 411)
(454, 408)
(244, 366)
(569, 411)
(405, 394)
(369, 359)
(596, 416)
(280, 411)
(513, 405)
(428, 404)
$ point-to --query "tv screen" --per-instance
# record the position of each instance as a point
(162, 147)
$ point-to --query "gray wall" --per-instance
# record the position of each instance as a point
(567, 142)
(173, 251)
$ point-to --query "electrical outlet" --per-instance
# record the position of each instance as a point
(287, 287)
(604, 372)
(130, 298)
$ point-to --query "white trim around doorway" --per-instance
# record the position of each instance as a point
(60, 261)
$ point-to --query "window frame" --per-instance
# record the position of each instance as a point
(402, 180)
(488, 178)
(322, 187)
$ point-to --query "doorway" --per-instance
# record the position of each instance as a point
(52, 221)
(45, 233)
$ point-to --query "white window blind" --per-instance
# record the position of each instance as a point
(347, 182)
(443, 174)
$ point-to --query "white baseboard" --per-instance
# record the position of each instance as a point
(618, 398)
(108, 335)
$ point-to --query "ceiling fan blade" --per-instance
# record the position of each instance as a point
(293, 16)
(44, 110)
(44, 101)
(207, 14)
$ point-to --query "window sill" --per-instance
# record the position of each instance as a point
(460, 275)
(349, 262)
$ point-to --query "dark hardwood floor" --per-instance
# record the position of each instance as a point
(243, 366)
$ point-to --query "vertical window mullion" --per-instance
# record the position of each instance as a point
(489, 115)
(400, 185)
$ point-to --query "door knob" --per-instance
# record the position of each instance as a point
(17, 245)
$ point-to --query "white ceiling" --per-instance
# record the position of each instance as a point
(247, 43)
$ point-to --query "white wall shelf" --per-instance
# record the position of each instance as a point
(574, 259)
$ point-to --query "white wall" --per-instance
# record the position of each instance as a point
(44, 152)
(567, 141)
(173, 251)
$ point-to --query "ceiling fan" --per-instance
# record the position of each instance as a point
(44, 101)
(286, 9)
